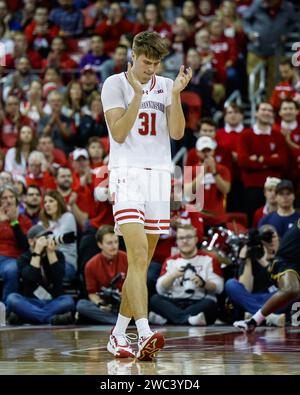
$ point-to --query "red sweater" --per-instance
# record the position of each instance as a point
(284, 90)
(111, 33)
(8, 244)
(99, 271)
(271, 146)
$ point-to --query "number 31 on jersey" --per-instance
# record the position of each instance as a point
(148, 124)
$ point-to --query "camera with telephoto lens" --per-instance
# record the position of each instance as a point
(111, 295)
(254, 242)
(189, 273)
(66, 238)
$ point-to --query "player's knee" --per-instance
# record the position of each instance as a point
(139, 254)
(292, 291)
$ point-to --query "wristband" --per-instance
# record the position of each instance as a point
(215, 174)
(99, 304)
(35, 254)
(14, 223)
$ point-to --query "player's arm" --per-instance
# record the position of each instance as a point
(121, 121)
(175, 116)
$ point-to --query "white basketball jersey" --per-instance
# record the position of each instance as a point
(148, 143)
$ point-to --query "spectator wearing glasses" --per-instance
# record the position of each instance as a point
(188, 284)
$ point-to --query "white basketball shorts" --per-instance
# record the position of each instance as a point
(141, 196)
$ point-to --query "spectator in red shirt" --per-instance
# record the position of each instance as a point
(79, 200)
(113, 27)
(228, 137)
(262, 153)
(152, 21)
(37, 172)
(96, 152)
(223, 154)
(40, 32)
(289, 127)
(289, 87)
(100, 271)
(58, 56)
(13, 241)
(54, 156)
(225, 55)
(216, 183)
(21, 49)
(12, 122)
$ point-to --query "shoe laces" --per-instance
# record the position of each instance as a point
(130, 338)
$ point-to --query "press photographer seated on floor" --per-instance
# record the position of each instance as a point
(254, 285)
(41, 270)
(188, 284)
(104, 277)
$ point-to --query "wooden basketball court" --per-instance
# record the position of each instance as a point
(188, 351)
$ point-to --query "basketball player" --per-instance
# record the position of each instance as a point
(142, 112)
(285, 269)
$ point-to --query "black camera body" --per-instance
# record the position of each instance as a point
(189, 272)
(111, 295)
(255, 243)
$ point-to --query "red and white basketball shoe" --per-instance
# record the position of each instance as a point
(149, 346)
(119, 345)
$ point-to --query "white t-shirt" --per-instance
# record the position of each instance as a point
(148, 143)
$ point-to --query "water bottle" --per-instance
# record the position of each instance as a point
(2, 314)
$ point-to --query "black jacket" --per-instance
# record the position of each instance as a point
(32, 277)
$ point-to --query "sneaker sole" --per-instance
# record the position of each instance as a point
(153, 345)
(121, 353)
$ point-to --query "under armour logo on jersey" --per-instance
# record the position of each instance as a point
(145, 92)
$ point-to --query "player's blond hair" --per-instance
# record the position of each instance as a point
(150, 44)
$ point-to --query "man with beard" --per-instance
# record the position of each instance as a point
(78, 199)
(33, 200)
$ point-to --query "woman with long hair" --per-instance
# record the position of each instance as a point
(17, 157)
(55, 217)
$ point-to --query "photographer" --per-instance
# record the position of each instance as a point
(187, 284)
(254, 285)
(56, 218)
(41, 269)
(104, 277)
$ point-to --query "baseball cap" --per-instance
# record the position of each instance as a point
(272, 182)
(37, 231)
(80, 152)
(205, 142)
(285, 184)
(88, 67)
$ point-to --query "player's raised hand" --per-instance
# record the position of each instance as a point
(136, 85)
(182, 79)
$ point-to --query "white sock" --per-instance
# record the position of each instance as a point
(258, 317)
(198, 319)
(143, 327)
(121, 325)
